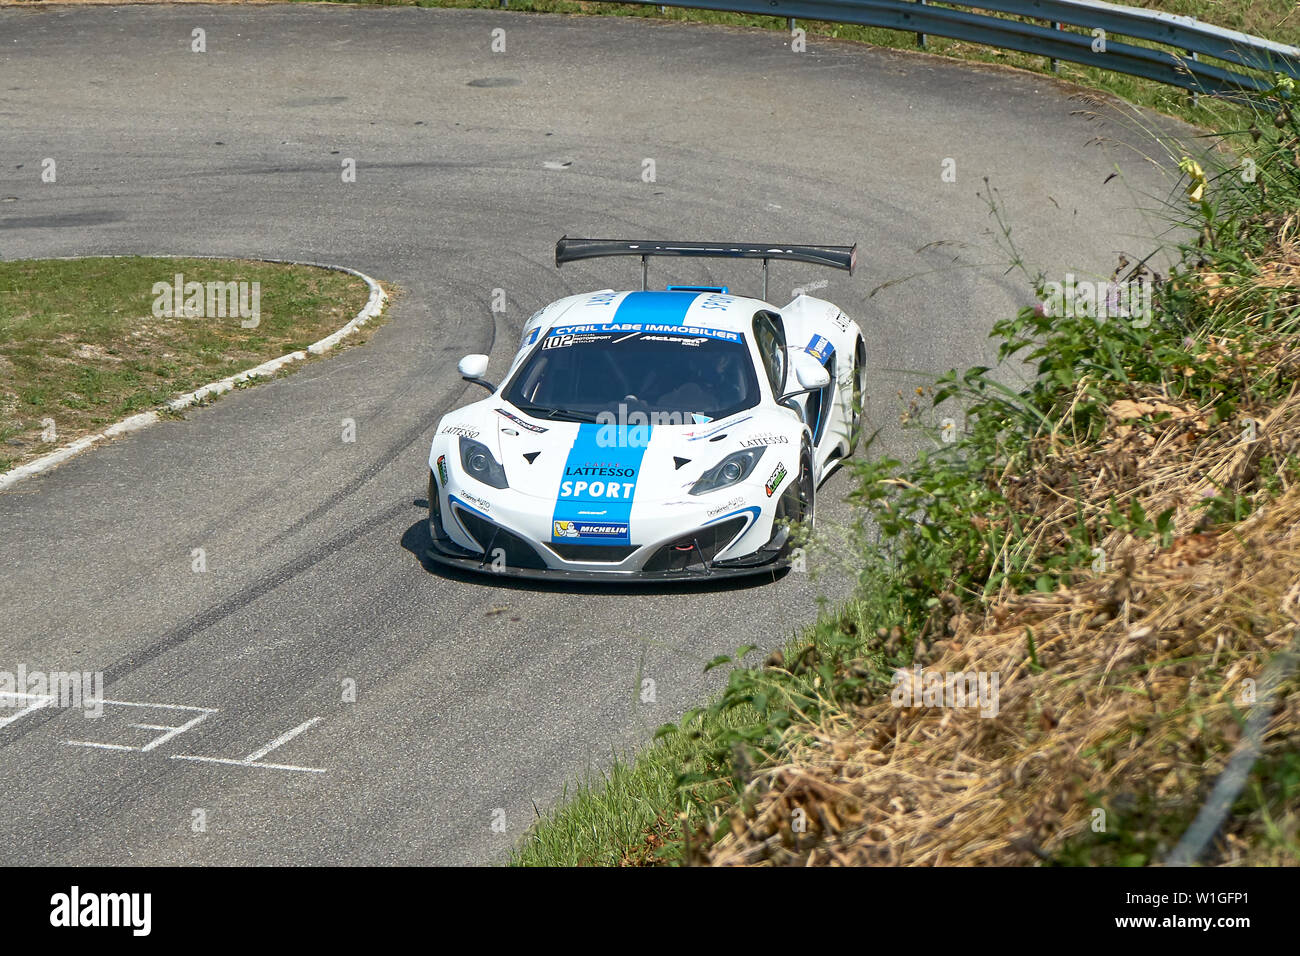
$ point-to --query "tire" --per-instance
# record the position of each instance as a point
(858, 400)
(798, 504)
(807, 489)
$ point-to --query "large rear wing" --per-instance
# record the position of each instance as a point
(833, 257)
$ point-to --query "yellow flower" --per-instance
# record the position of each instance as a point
(1194, 172)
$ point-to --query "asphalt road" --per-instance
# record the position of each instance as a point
(472, 696)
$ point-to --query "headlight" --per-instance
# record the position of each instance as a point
(479, 463)
(731, 470)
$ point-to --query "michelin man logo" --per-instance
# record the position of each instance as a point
(566, 529)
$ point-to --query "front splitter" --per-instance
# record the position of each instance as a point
(476, 564)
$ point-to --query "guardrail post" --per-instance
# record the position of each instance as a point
(920, 37)
(1196, 98)
(789, 23)
(1056, 64)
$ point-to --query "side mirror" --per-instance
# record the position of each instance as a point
(808, 372)
(472, 368)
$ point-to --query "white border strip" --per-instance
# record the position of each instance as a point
(373, 307)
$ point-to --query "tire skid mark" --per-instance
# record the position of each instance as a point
(123, 667)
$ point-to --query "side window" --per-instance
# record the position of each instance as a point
(769, 336)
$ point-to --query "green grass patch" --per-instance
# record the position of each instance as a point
(644, 809)
(81, 346)
(631, 814)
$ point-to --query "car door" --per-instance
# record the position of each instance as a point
(769, 336)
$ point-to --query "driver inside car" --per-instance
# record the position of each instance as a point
(716, 382)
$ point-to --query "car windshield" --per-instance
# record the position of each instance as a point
(684, 376)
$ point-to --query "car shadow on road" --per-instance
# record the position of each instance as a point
(416, 540)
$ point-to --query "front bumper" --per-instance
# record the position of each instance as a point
(477, 563)
(500, 548)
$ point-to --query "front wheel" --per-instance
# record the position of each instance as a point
(798, 505)
(858, 412)
(807, 490)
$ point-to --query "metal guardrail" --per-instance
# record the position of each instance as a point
(1187, 38)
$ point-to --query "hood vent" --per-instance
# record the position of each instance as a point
(531, 456)
(718, 437)
(678, 462)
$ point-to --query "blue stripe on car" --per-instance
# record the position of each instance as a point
(753, 511)
(663, 308)
(587, 516)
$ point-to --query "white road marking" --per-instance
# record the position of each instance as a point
(281, 740)
(249, 763)
(38, 701)
(170, 731)
(35, 702)
(128, 703)
(252, 760)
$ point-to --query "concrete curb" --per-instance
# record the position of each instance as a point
(373, 307)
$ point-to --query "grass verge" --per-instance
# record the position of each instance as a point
(1112, 550)
(81, 345)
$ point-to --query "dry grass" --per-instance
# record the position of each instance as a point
(1123, 693)
(1275, 275)
(1140, 678)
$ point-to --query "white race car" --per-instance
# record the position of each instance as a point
(651, 435)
